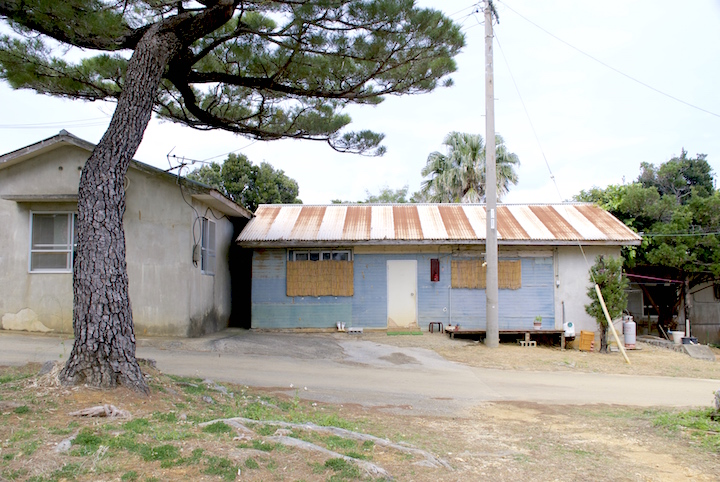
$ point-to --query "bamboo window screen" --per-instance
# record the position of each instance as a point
(320, 278)
(472, 274)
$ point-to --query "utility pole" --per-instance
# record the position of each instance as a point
(492, 334)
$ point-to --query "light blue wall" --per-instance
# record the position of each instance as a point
(271, 308)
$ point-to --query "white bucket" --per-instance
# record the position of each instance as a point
(677, 336)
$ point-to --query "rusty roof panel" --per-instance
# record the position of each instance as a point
(508, 227)
(333, 223)
(407, 222)
(585, 229)
(476, 217)
(258, 226)
(308, 223)
(284, 223)
(532, 225)
(382, 224)
(433, 225)
(357, 223)
(560, 228)
(606, 223)
(452, 223)
(457, 225)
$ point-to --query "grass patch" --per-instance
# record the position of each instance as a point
(22, 409)
(250, 463)
(87, 443)
(22, 435)
(139, 425)
(343, 469)
(221, 467)
(698, 424)
(168, 455)
(218, 428)
(336, 443)
(130, 476)
(264, 446)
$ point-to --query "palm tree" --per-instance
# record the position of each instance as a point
(459, 175)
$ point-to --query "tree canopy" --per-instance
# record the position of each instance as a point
(264, 70)
(459, 175)
(677, 210)
(247, 184)
(385, 195)
(607, 274)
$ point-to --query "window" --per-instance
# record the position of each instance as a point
(52, 242)
(207, 247)
(325, 255)
(471, 274)
(332, 276)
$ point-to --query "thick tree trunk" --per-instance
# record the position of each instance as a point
(104, 351)
(603, 338)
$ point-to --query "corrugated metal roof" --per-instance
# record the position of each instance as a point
(568, 223)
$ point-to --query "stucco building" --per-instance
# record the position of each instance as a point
(178, 238)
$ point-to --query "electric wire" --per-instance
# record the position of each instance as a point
(537, 139)
(606, 65)
(91, 122)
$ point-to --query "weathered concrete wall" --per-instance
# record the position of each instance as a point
(169, 295)
(572, 279)
(35, 302)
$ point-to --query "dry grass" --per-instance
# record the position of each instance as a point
(647, 360)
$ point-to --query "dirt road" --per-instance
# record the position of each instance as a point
(341, 369)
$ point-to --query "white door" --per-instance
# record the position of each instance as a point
(402, 294)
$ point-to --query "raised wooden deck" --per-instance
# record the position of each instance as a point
(527, 333)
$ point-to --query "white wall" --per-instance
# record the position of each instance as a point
(572, 279)
(169, 294)
(35, 302)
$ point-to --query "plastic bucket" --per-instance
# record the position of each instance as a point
(677, 336)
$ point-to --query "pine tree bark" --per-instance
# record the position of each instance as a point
(103, 353)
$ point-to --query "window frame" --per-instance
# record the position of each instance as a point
(70, 247)
(321, 253)
(208, 253)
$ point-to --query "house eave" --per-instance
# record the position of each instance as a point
(217, 201)
(41, 198)
(409, 243)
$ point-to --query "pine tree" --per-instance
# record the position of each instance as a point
(264, 70)
(607, 274)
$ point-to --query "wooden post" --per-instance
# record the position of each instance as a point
(612, 328)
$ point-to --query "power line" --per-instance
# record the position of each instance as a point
(92, 122)
(537, 139)
(609, 66)
(679, 235)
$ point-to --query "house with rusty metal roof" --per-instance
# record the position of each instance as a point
(419, 266)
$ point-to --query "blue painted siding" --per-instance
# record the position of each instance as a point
(516, 308)
(271, 308)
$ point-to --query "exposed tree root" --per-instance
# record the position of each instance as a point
(430, 459)
(107, 410)
(368, 467)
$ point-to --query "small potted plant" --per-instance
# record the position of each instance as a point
(537, 323)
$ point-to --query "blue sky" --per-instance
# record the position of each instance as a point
(594, 125)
